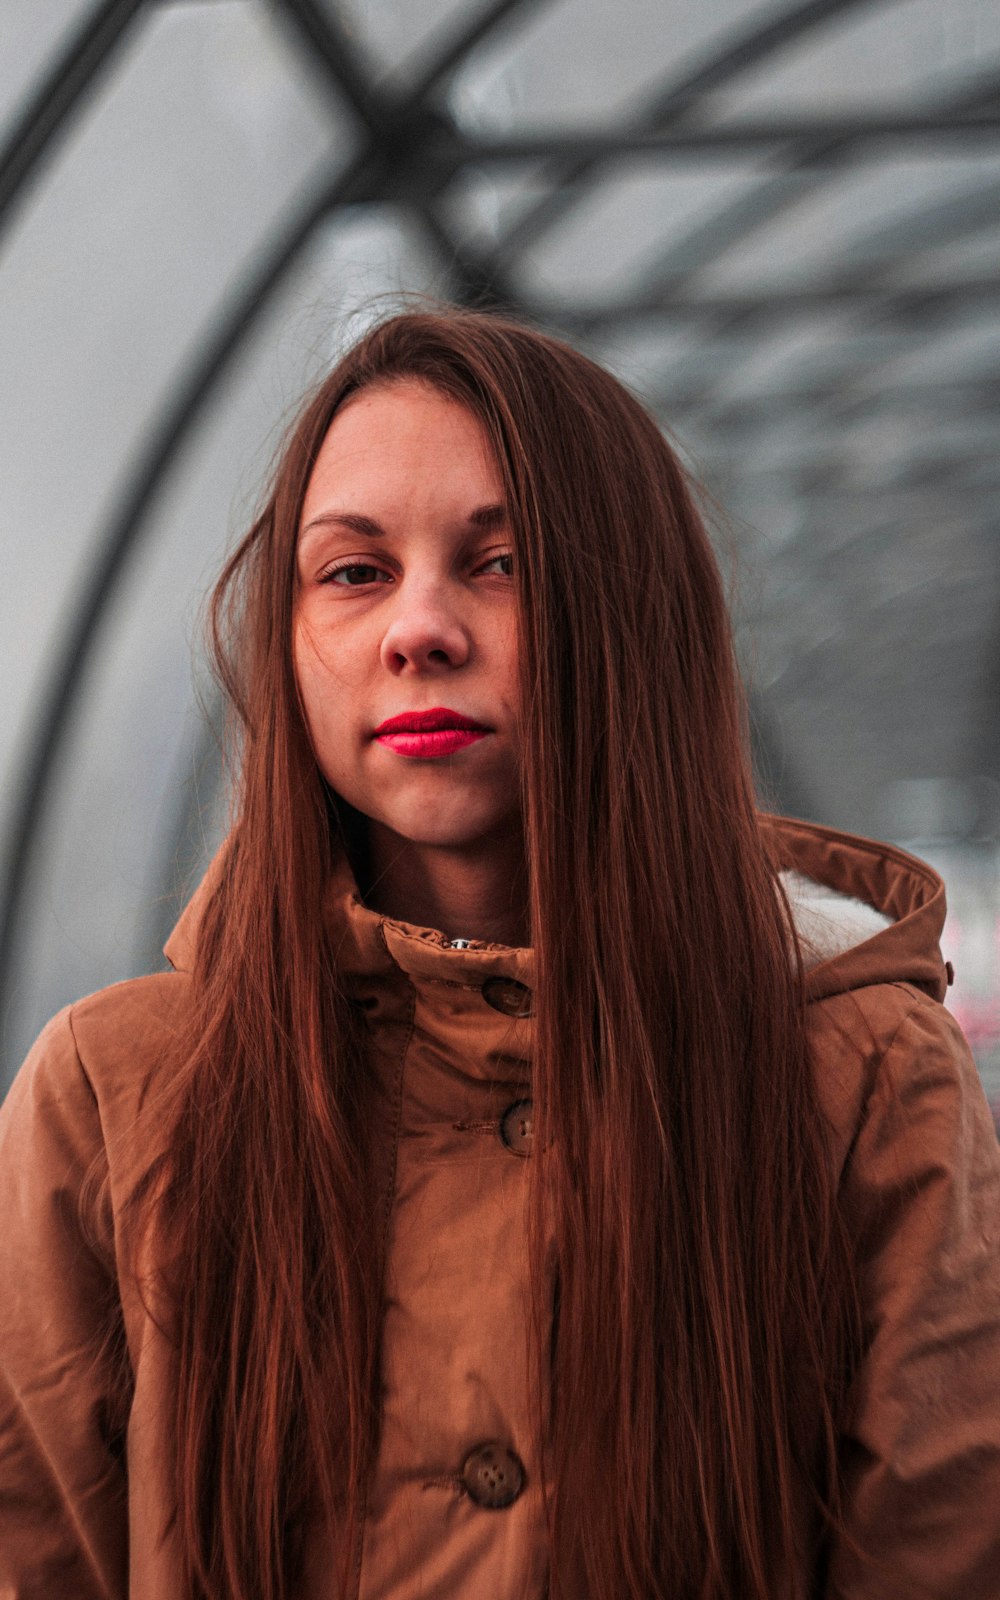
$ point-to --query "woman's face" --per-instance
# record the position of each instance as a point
(406, 606)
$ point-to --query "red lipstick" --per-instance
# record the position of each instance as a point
(436, 732)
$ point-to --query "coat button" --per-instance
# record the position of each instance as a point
(493, 1476)
(516, 1127)
(508, 996)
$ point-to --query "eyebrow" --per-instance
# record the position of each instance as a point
(483, 517)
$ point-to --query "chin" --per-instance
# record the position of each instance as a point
(449, 826)
(443, 835)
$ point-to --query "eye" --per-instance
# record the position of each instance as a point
(354, 574)
(506, 562)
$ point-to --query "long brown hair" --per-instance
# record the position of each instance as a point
(706, 1316)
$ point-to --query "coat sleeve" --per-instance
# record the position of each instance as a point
(921, 1456)
(63, 1514)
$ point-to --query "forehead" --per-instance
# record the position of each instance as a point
(398, 438)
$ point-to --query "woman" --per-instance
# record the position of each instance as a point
(540, 1174)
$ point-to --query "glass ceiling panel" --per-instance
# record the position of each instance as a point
(888, 440)
(641, 353)
(401, 38)
(850, 365)
(986, 473)
(372, 256)
(977, 257)
(713, 357)
(845, 218)
(31, 38)
(894, 446)
(970, 351)
(604, 245)
(793, 348)
(482, 203)
(908, 52)
(110, 277)
(574, 61)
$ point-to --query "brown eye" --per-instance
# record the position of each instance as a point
(506, 564)
(353, 574)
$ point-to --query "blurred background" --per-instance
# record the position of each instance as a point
(778, 220)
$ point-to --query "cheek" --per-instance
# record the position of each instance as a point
(331, 676)
(315, 674)
(319, 653)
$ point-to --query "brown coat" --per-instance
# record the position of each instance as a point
(921, 1181)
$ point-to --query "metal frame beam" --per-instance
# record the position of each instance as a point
(818, 139)
(765, 411)
(825, 477)
(744, 49)
(900, 302)
(465, 39)
(413, 151)
(63, 91)
(751, 212)
(828, 542)
(928, 229)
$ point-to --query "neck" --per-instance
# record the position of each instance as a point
(475, 892)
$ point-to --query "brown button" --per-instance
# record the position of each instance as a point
(517, 1127)
(508, 996)
(949, 972)
(493, 1476)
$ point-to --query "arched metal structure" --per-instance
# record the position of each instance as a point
(416, 151)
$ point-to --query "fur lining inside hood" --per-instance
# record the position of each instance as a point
(828, 921)
(866, 912)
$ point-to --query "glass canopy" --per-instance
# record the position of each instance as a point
(779, 222)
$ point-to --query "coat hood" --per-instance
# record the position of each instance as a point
(865, 913)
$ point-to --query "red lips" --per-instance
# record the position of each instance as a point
(426, 735)
(428, 721)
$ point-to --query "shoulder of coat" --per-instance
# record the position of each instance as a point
(125, 1036)
(850, 1035)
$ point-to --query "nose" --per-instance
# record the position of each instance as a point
(424, 633)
